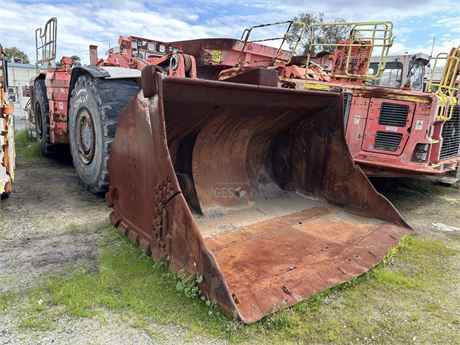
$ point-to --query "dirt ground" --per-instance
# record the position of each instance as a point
(48, 226)
(51, 224)
(38, 222)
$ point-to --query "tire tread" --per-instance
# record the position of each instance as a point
(112, 96)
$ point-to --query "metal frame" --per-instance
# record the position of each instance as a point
(45, 42)
(445, 88)
(297, 38)
(362, 34)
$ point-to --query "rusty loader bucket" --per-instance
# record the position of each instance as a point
(251, 187)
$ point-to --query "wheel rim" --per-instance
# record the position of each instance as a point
(85, 136)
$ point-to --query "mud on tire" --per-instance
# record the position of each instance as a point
(94, 108)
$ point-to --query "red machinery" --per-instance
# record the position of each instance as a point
(402, 131)
(216, 169)
(51, 91)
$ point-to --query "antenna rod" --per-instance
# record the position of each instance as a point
(432, 47)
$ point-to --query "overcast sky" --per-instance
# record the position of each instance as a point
(81, 23)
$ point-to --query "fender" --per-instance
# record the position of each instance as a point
(97, 72)
(41, 75)
(94, 71)
(106, 72)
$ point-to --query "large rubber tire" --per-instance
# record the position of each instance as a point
(42, 119)
(94, 107)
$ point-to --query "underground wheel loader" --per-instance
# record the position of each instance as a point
(241, 181)
(250, 186)
(394, 126)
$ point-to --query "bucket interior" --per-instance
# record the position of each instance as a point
(268, 179)
(242, 159)
(253, 169)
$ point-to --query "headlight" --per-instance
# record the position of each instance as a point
(420, 153)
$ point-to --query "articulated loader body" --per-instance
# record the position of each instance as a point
(399, 128)
(7, 151)
(392, 128)
(218, 170)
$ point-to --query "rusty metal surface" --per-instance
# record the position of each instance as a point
(7, 149)
(359, 63)
(57, 89)
(275, 264)
(229, 52)
(206, 150)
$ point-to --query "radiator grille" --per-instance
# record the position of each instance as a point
(346, 107)
(393, 114)
(451, 136)
(387, 141)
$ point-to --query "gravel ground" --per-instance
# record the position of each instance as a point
(51, 224)
(47, 226)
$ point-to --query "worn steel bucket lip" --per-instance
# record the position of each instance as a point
(328, 261)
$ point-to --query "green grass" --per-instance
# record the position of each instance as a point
(395, 279)
(6, 299)
(26, 147)
(36, 322)
(406, 297)
(130, 282)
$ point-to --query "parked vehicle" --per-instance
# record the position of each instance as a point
(215, 168)
(393, 126)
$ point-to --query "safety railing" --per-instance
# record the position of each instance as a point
(292, 36)
(45, 42)
(364, 38)
(447, 86)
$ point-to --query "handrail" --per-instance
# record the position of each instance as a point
(446, 88)
(287, 35)
(368, 35)
(45, 42)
